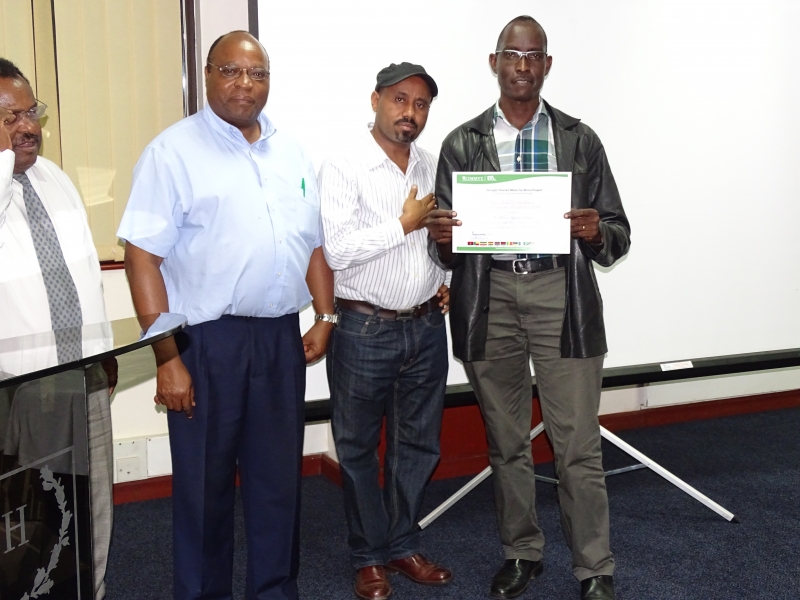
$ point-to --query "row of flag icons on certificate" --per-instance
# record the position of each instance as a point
(499, 243)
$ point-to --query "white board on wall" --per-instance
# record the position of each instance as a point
(695, 103)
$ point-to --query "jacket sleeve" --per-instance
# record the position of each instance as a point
(448, 163)
(604, 198)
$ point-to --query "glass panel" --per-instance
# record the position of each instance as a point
(45, 524)
(22, 356)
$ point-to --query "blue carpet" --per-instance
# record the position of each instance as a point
(668, 546)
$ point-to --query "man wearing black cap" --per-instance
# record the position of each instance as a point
(388, 355)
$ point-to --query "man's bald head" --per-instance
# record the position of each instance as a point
(520, 20)
(235, 36)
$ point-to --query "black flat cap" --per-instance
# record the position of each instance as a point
(396, 73)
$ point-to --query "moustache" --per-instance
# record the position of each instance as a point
(27, 137)
(405, 120)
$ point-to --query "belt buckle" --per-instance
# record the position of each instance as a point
(406, 314)
(514, 266)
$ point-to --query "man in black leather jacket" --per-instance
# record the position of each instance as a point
(548, 309)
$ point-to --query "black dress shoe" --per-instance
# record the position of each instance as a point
(598, 588)
(514, 576)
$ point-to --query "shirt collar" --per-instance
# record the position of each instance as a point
(232, 133)
(540, 110)
(375, 155)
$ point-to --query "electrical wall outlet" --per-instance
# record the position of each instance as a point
(129, 469)
(130, 460)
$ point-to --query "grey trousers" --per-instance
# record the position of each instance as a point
(101, 472)
(525, 318)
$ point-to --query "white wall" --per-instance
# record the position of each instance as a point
(214, 18)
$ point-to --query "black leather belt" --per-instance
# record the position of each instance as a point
(524, 266)
(365, 308)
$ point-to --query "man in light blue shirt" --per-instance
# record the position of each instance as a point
(223, 226)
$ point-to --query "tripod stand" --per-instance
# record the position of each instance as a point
(644, 463)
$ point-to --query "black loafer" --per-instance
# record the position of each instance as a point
(598, 588)
(514, 576)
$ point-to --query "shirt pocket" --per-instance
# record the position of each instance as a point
(303, 213)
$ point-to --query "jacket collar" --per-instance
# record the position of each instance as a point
(484, 123)
(563, 124)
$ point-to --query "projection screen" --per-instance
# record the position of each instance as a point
(695, 102)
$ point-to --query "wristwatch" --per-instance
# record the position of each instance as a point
(332, 319)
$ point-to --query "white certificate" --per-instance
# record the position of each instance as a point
(512, 212)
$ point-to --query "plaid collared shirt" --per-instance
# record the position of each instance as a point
(530, 149)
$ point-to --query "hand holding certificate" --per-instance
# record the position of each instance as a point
(512, 212)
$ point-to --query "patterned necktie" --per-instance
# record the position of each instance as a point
(62, 296)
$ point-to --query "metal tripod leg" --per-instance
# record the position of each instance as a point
(679, 483)
(472, 484)
(622, 445)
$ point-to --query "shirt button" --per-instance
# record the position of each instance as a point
(270, 305)
(279, 274)
(519, 159)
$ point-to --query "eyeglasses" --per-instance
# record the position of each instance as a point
(255, 73)
(515, 55)
(33, 114)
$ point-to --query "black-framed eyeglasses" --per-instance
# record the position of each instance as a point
(254, 73)
(516, 55)
(33, 114)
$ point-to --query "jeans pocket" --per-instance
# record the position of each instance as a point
(434, 319)
(357, 325)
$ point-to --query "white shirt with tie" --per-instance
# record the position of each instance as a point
(23, 298)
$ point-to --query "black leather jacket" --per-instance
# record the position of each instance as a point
(471, 147)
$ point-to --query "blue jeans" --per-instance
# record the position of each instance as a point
(398, 369)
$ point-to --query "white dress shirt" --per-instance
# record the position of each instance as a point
(362, 194)
(23, 298)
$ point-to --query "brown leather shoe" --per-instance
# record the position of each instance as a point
(420, 570)
(372, 583)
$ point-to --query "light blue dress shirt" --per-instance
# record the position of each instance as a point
(235, 222)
